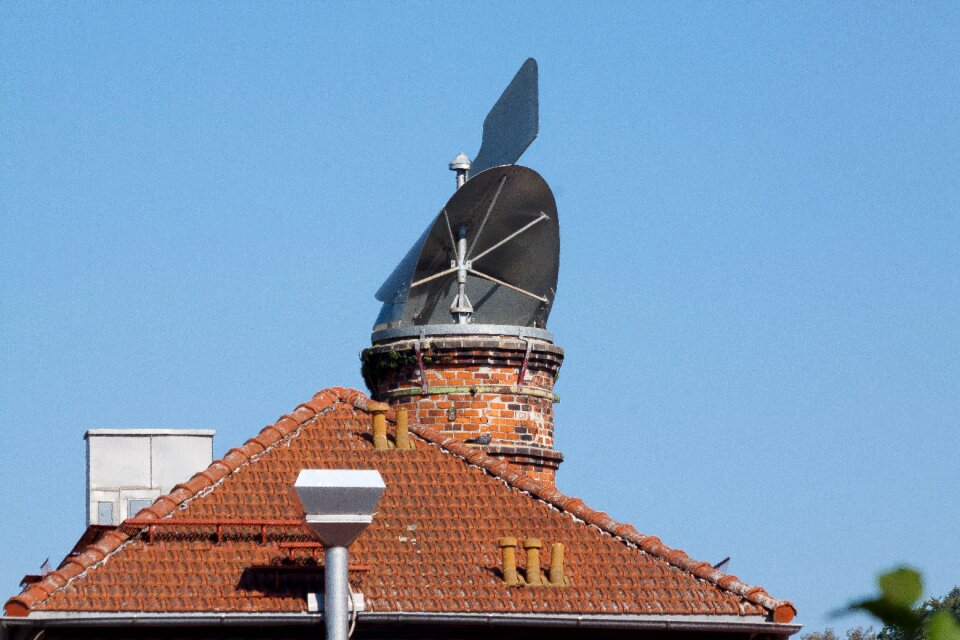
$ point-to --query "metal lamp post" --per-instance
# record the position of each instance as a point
(339, 504)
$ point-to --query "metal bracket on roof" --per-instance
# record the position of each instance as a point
(526, 359)
(315, 602)
(419, 352)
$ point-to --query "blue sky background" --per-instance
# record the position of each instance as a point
(760, 275)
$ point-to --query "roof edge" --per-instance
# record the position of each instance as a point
(121, 432)
(594, 621)
(727, 623)
(781, 611)
(20, 605)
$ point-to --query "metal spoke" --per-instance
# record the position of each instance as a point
(506, 284)
(433, 277)
(453, 243)
(513, 235)
(483, 222)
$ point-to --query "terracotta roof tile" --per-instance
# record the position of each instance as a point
(432, 546)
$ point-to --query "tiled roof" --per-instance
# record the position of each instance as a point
(431, 548)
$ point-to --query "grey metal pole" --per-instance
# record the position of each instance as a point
(336, 595)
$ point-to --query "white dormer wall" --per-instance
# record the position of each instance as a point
(127, 469)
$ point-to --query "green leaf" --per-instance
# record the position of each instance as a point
(943, 626)
(901, 587)
(889, 613)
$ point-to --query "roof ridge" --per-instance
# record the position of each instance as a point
(201, 482)
(782, 611)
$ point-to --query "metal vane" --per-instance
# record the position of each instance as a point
(491, 256)
(513, 122)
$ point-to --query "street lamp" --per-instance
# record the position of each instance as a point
(339, 504)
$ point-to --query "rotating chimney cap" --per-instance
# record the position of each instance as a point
(460, 162)
(339, 503)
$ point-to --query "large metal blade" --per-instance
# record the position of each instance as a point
(514, 280)
(513, 122)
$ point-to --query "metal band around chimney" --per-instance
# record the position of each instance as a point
(474, 389)
(422, 332)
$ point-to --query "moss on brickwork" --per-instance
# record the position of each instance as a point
(375, 366)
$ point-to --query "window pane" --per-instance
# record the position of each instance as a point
(104, 513)
(133, 506)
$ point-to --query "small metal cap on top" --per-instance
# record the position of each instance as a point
(460, 164)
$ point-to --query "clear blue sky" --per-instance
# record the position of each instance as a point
(760, 267)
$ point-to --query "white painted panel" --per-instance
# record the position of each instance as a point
(177, 458)
(119, 461)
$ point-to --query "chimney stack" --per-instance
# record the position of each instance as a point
(461, 340)
(494, 391)
(127, 469)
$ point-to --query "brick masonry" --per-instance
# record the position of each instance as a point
(472, 387)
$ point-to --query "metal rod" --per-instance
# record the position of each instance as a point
(513, 235)
(453, 243)
(483, 222)
(423, 374)
(433, 277)
(507, 285)
(523, 365)
(336, 593)
(231, 522)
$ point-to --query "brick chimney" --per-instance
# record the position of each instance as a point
(495, 391)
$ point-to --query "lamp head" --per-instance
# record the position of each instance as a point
(339, 503)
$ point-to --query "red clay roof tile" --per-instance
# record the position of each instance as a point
(432, 546)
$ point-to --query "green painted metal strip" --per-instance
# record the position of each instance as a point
(479, 388)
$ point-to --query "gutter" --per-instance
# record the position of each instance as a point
(729, 624)
(46, 619)
(719, 624)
